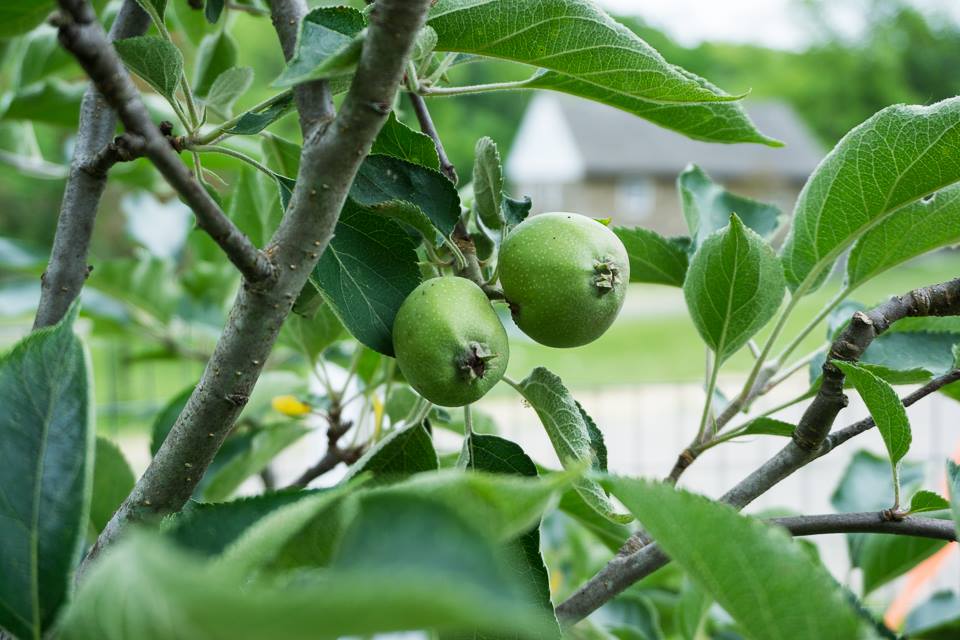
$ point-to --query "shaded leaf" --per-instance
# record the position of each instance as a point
(488, 184)
(46, 461)
(757, 573)
(384, 179)
(404, 452)
(568, 432)
(400, 141)
(938, 618)
(769, 427)
(212, 10)
(329, 44)
(112, 482)
(953, 486)
(885, 558)
(227, 89)
(217, 53)
(154, 59)
(20, 16)
(264, 446)
(50, 102)
(312, 334)
(654, 258)
(147, 589)
(256, 120)
(734, 286)
(367, 271)
(893, 159)
(707, 207)
(210, 528)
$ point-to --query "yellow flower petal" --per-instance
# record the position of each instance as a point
(290, 406)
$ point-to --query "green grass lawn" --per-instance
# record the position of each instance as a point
(662, 345)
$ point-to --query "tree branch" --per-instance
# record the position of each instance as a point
(82, 35)
(338, 427)
(67, 270)
(330, 159)
(868, 522)
(427, 126)
(809, 441)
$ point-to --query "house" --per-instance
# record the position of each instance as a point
(575, 155)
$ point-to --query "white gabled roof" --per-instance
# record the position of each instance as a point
(563, 139)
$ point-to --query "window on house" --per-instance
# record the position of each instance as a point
(636, 198)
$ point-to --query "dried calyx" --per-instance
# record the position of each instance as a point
(473, 362)
(606, 275)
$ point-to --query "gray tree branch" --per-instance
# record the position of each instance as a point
(331, 156)
(809, 441)
(81, 34)
(67, 270)
(868, 522)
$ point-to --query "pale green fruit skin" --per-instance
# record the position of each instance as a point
(548, 273)
(434, 329)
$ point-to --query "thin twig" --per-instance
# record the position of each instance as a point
(81, 34)
(427, 126)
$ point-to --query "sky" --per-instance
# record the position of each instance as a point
(774, 23)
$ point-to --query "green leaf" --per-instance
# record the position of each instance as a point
(227, 89)
(154, 59)
(16, 255)
(884, 405)
(165, 420)
(882, 559)
(212, 10)
(210, 528)
(20, 16)
(723, 122)
(403, 453)
(366, 273)
(256, 120)
(568, 432)
(906, 357)
(400, 141)
(314, 333)
(516, 210)
(733, 287)
(893, 159)
(757, 573)
(46, 463)
(156, 9)
(329, 44)
(252, 208)
(384, 179)
(112, 482)
(707, 207)
(611, 534)
(768, 427)
(493, 454)
(488, 184)
(654, 258)
(149, 590)
(262, 542)
(953, 486)
(501, 506)
(915, 229)
(50, 102)
(264, 447)
(938, 618)
(866, 486)
(216, 54)
(924, 501)
(571, 37)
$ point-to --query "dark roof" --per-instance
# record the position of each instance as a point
(613, 142)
